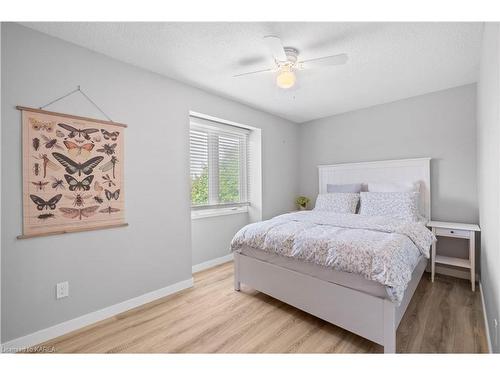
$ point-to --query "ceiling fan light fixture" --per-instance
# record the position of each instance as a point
(286, 78)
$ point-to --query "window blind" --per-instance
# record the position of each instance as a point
(218, 164)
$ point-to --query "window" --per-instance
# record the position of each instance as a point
(218, 165)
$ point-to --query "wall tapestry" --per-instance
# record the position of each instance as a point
(72, 173)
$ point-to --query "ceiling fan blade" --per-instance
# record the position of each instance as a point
(276, 47)
(324, 61)
(254, 72)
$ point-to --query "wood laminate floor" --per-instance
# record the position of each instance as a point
(443, 317)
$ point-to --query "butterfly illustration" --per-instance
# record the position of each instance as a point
(81, 132)
(110, 135)
(110, 195)
(40, 185)
(72, 166)
(41, 203)
(75, 150)
(109, 165)
(109, 210)
(107, 149)
(74, 184)
(48, 126)
(108, 180)
(73, 213)
(51, 142)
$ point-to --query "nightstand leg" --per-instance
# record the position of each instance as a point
(472, 259)
(433, 257)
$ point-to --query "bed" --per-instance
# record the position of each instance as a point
(370, 304)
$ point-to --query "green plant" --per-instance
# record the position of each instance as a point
(302, 201)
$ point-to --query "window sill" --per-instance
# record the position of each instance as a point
(212, 212)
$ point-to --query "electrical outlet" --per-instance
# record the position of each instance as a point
(62, 290)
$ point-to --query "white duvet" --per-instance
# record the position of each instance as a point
(379, 248)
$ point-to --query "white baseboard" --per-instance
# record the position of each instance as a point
(486, 326)
(212, 263)
(93, 317)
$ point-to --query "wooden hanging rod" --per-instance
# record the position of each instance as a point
(72, 230)
(21, 108)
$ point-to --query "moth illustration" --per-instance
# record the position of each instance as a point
(40, 185)
(110, 165)
(107, 149)
(109, 195)
(41, 203)
(60, 134)
(72, 166)
(46, 216)
(76, 150)
(47, 164)
(36, 169)
(98, 199)
(50, 143)
(47, 126)
(73, 213)
(57, 183)
(110, 135)
(98, 187)
(108, 180)
(36, 143)
(79, 199)
(109, 210)
(73, 132)
(74, 184)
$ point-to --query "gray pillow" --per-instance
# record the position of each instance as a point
(346, 188)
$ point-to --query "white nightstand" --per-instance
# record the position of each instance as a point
(456, 230)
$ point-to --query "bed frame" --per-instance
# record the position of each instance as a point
(373, 318)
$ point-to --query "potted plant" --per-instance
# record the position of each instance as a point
(302, 202)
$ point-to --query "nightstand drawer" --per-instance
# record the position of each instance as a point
(452, 232)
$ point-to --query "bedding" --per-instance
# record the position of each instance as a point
(341, 203)
(381, 249)
(398, 205)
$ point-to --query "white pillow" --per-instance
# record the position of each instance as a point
(340, 203)
(398, 205)
(381, 187)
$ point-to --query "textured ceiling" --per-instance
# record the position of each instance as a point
(387, 61)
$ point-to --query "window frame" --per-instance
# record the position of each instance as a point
(212, 126)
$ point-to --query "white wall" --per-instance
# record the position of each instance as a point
(441, 125)
(107, 267)
(488, 143)
(1, 290)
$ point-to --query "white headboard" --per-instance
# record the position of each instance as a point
(392, 171)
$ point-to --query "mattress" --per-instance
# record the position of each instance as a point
(346, 279)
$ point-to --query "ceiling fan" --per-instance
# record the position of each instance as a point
(287, 62)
